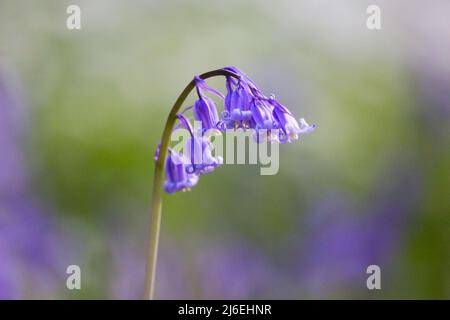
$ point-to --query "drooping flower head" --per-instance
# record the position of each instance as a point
(246, 107)
(266, 113)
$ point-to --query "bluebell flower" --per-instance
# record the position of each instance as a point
(289, 127)
(199, 150)
(252, 88)
(178, 178)
(205, 109)
(206, 112)
(230, 82)
(237, 113)
(262, 115)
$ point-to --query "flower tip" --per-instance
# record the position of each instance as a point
(305, 127)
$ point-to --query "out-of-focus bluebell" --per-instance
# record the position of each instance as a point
(29, 248)
(342, 241)
(234, 271)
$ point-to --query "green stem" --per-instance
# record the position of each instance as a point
(158, 182)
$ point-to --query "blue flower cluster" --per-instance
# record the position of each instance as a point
(246, 107)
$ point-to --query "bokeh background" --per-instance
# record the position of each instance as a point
(81, 113)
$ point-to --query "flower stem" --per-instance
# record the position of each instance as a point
(158, 183)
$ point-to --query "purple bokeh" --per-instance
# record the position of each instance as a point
(30, 249)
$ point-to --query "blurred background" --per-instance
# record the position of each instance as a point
(81, 112)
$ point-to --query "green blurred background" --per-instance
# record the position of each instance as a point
(369, 186)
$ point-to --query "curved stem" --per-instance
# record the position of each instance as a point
(158, 182)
